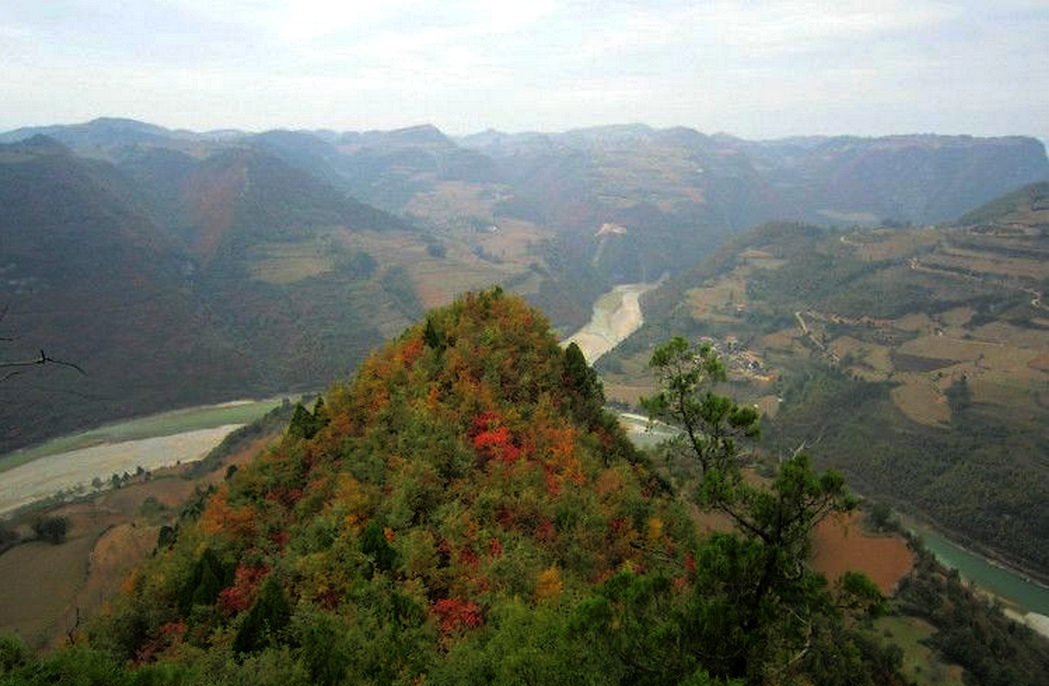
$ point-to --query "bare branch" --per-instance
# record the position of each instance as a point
(44, 359)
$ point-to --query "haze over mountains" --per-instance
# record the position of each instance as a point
(177, 267)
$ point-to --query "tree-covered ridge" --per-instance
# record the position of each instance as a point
(464, 512)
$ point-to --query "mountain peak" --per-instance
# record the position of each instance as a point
(423, 135)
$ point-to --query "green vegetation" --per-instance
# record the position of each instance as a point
(51, 529)
(464, 511)
(970, 630)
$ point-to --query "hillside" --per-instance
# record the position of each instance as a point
(173, 280)
(914, 360)
(88, 279)
(466, 512)
(609, 199)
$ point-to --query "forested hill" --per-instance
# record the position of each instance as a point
(465, 512)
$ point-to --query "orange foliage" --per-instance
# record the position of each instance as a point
(548, 585)
(454, 615)
(219, 516)
(409, 353)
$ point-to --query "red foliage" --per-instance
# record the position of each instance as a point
(495, 548)
(329, 600)
(492, 439)
(239, 597)
(468, 557)
(453, 615)
(168, 635)
(280, 538)
(545, 532)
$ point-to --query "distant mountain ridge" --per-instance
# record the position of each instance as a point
(299, 250)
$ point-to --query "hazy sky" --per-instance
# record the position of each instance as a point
(757, 69)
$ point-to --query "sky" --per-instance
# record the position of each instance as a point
(752, 68)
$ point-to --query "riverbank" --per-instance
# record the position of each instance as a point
(1025, 599)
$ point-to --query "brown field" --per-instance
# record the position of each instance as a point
(1007, 334)
(921, 400)
(768, 405)
(514, 241)
(891, 244)
(628, 393)
(784, 341)
(913, 363)
(761, 259)
(450, 201)
(840, 544)
(720, 301)
(44, 586)
(959, 316)
(438, 283)
(872, 361)
(38, 581)
(285, 263)
(988, 263)
(915, 322)
(948, 348)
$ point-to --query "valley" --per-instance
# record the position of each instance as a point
(907, 354)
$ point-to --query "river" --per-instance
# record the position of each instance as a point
(71, 463)
(1029, 600)
(617, 314)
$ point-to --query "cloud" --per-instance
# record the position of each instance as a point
(755, 68)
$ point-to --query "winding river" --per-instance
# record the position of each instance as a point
(617, 314)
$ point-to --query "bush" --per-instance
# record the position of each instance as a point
(14, 653)
(51, 529)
